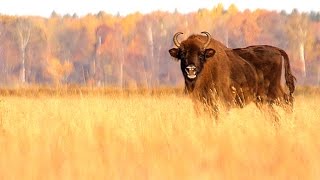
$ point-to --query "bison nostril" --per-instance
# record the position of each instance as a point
(190, 69)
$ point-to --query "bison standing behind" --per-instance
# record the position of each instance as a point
(267, 60)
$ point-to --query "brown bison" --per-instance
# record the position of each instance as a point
(267, 61)
(214, 74)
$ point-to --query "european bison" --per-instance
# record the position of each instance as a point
(267, 61)
(214, 74)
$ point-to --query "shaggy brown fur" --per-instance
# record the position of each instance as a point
(268, 62)
(218, 74)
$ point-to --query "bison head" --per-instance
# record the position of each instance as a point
(192, 55)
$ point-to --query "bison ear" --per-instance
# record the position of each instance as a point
(209, 52)
(174, 52)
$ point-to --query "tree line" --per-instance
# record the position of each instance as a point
(132, 51)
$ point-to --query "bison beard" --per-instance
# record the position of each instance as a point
(214, 74)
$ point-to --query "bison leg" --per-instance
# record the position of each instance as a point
(288, 103)
(268, 111)
(205, 109)
(282, 100)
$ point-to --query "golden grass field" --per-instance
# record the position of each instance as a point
(152, 136)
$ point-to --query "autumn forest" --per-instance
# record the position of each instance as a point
(132, 51)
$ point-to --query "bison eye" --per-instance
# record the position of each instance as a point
(182, 55)
(201, 56)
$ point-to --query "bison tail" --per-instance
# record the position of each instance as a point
(290, 79)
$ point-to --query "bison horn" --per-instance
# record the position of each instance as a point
(175, 39)
(208, 39)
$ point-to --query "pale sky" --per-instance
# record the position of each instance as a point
(124, 7)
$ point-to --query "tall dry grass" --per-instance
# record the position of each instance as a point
(148, 136)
